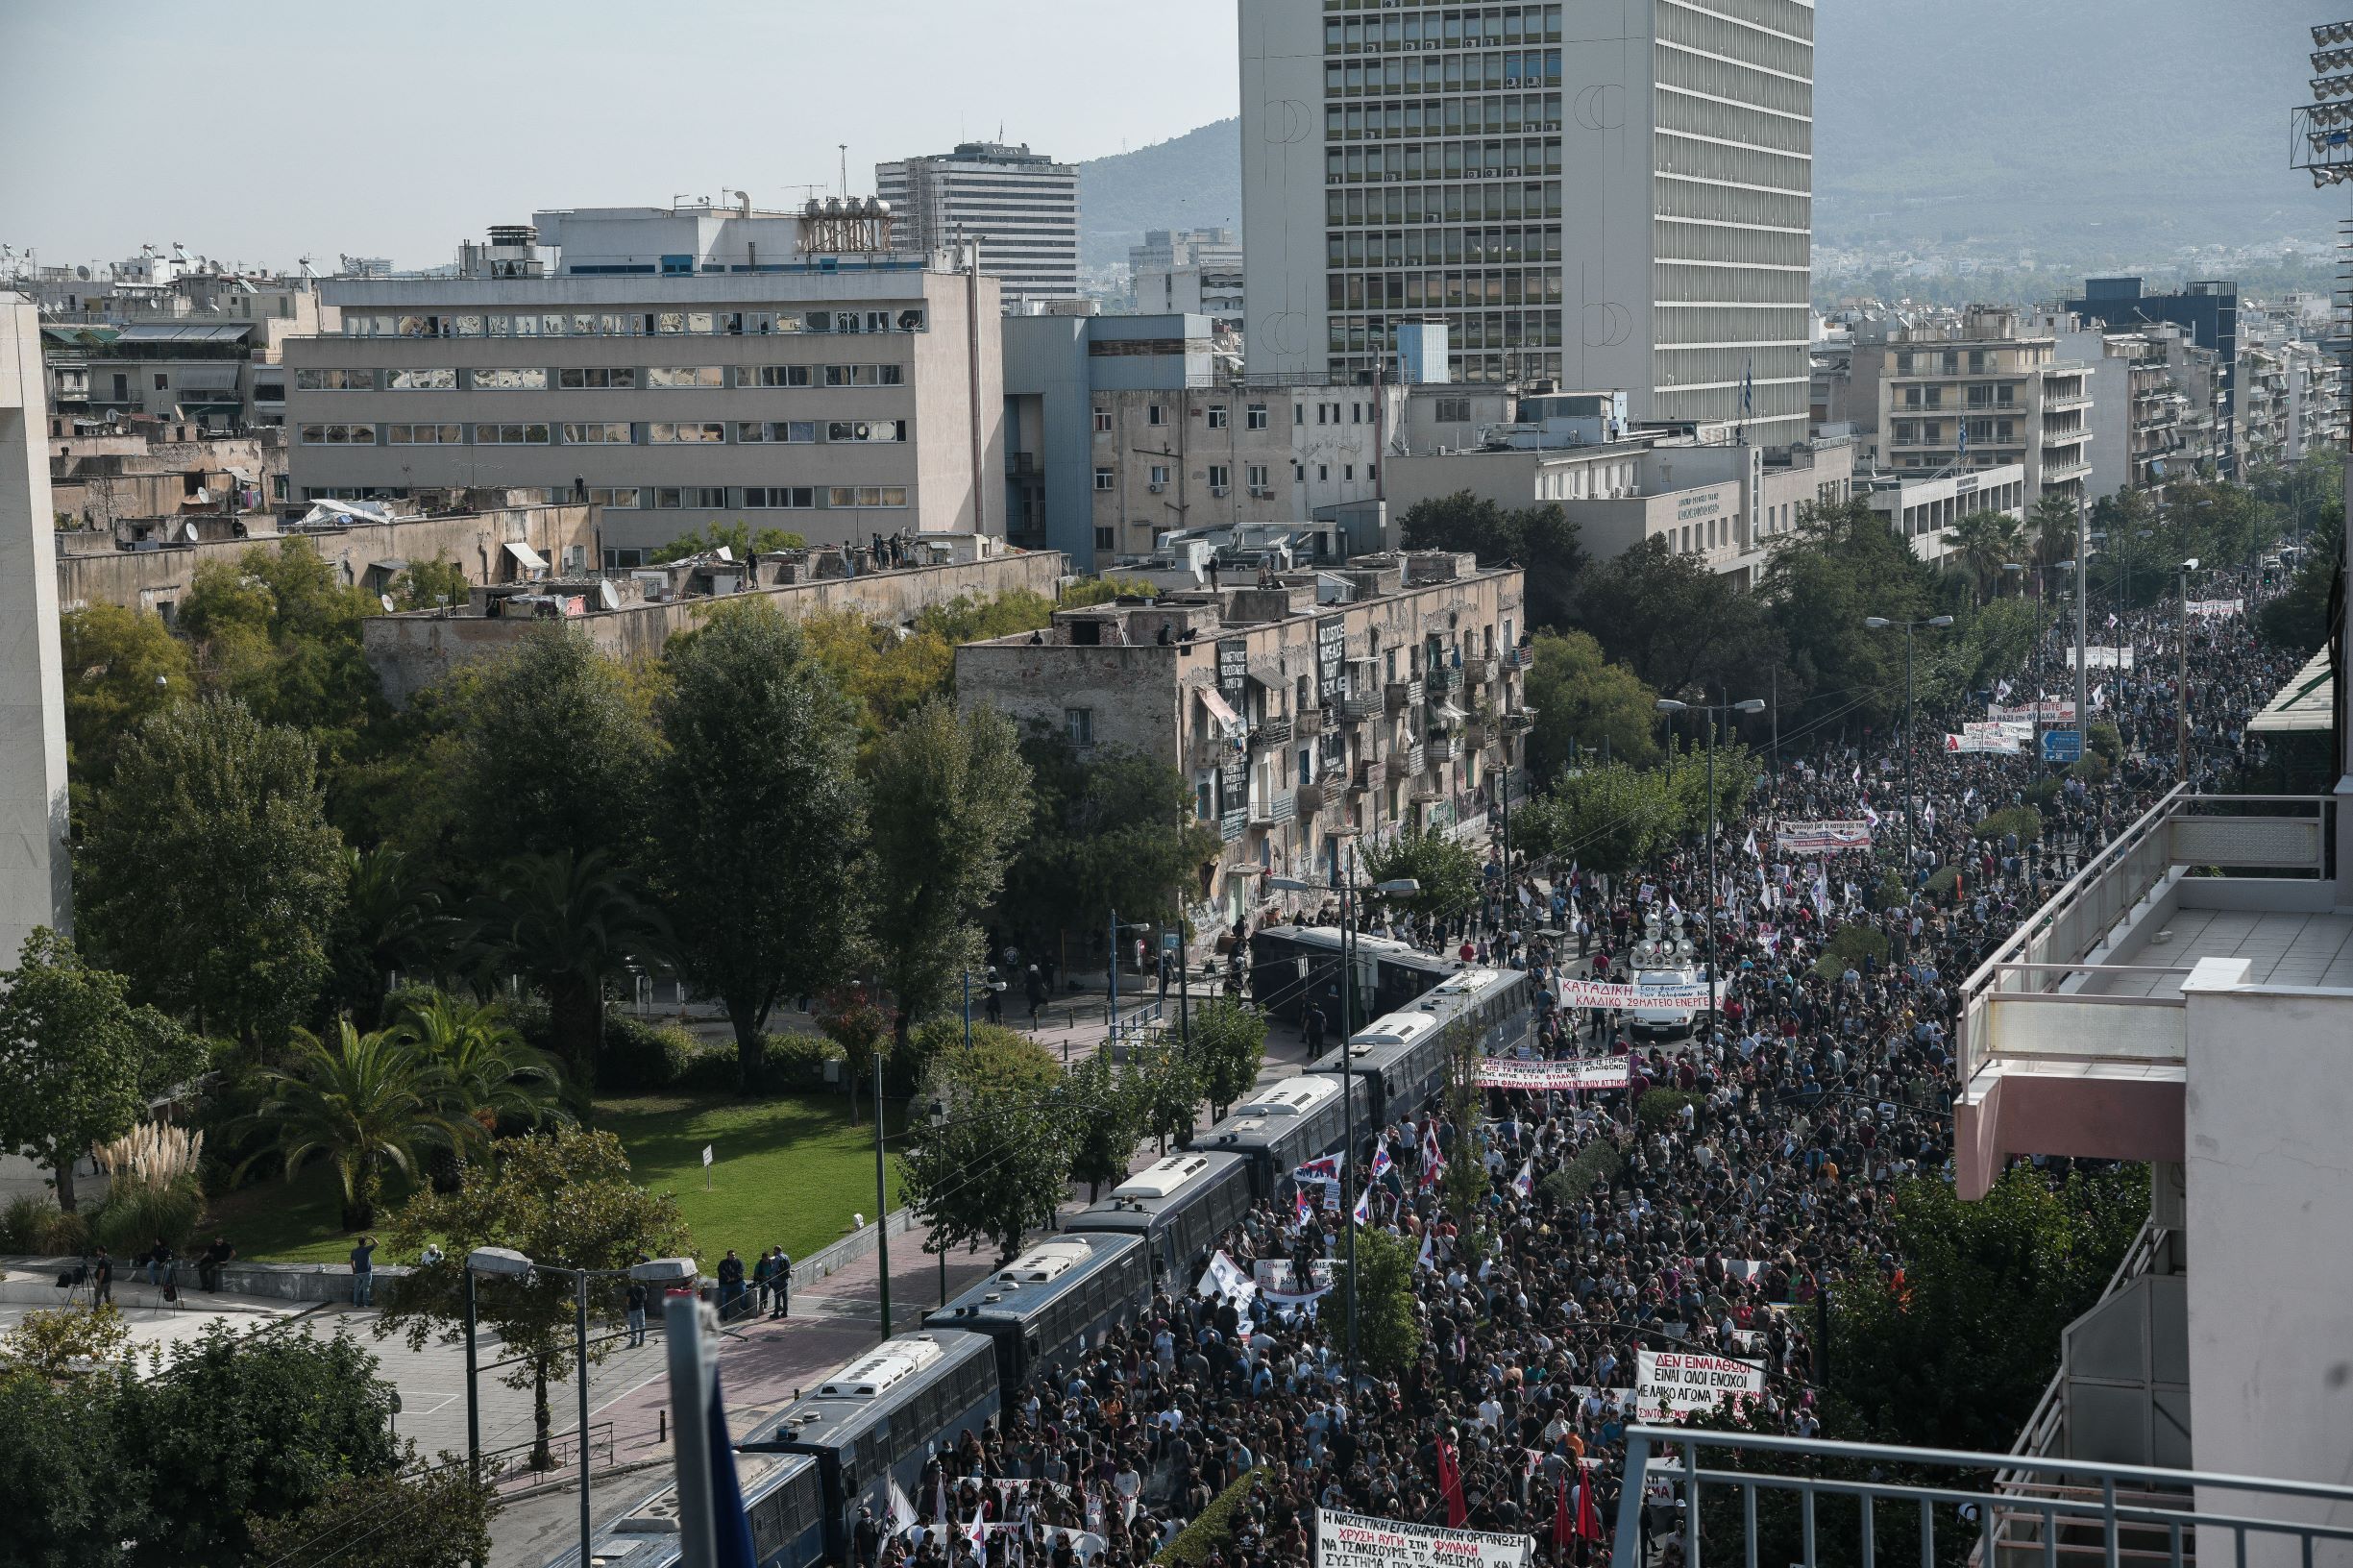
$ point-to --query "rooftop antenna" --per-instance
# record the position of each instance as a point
(845, 147)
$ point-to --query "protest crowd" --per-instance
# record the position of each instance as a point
(1715, 1233)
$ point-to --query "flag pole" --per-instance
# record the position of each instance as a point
(692, 1371)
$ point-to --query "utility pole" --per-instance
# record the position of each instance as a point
(2083, 624)
(1348, 1087)
(882, 1205)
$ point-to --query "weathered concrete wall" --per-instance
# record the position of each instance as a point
(34, 885)
(410, 652)
(150, 579)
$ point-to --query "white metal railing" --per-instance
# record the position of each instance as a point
(2045, 1433)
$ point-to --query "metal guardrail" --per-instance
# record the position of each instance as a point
(2077, 1507)
(2046, 1428)
(563, 1449)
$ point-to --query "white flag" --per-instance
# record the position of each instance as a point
(902, 1511)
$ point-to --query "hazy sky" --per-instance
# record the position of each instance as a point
(267, 129)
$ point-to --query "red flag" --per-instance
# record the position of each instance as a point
(1588, 1517)
(1564, 1529)
(1450, 1482)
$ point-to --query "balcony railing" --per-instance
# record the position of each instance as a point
(1403, 695)
(1478, 672)
(1359, 705)
(1275, 730)
(1275, 808)
(1311, 797)
(1307, 724)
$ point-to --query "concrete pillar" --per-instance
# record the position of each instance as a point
(35, 885)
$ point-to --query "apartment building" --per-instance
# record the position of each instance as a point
(675, 365)
(1299, 720)
(1593, 193)
(1187, 272)
(1020, 207)
(2207, 310)
(1980, 392)
(1922, 510)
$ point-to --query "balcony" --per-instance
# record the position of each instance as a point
(1274, 808)
(1397, 766)
(1443, 750)
(1274, 730)
(1357, 706)
(1517, 657)
(1307, 724)
(2060, 470)
(1403, 695)
(2075, 1033)
(1366, 776)
(1444, 680)
(1312, 798)
(1478, 672)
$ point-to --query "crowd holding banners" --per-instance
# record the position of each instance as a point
(1711, 1235)
(2216, 606)
(1821, 838)
(1592, 1073)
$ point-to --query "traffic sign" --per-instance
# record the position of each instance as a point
(2062, 746)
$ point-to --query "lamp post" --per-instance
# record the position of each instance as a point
(939, 1119)
(1668, 706)
(506, 1262)
(2181, 680)
(882, 1210)
(1404, 886)
(1880, 623)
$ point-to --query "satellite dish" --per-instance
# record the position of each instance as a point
(385, 600)
(83, 273)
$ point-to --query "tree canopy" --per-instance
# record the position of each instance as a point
(1541, 540)
(1110, 828)
(1585, 704)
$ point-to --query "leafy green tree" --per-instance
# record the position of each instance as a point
(1981, 544)
(760, 819)
(570, 923)
(2051, 522)
(737, 537)
(1001, 1163)
(1841, 564)
(68, 1342)
(1582, 702)
(1168, 1086)
(1676, 621)
(949, 796)
(390, 923)
(1102, 590)
(1447, 868)
(1955, 1354)
(1607, 819)
(121, 666)
(361, 1103)
(239, 1426)
(1103, 1106)
(1110, 828)
(488, 1073)
(279, 632)
(1542, 539)
(210, 873)
(851, 1017)
(425, 585)
(77, 1061)
(444, 1519)
(566, 1200)
(2298, 619)
(1389, 1331)
(1229, 1046)
(556, 755)
(889, 670)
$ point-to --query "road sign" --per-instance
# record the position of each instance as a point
(2062, 746)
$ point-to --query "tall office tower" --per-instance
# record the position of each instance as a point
(1611, 194)
(1021, 207)
(35, 885)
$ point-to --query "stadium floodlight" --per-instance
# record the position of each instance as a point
(2325, 87)
(2332, 174)
(2327, 115)
(2328, 34)
(2332, 60)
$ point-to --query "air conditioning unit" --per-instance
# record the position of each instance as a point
(1220, 489)
(1156, 489)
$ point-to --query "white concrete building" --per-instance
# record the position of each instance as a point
(1599, 193)
(1187, 272)
(1922, 510)
(35, 885)
(1019, 207)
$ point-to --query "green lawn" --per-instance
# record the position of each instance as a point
(786, 1172)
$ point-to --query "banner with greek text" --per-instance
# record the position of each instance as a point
(2054, 712)
(2002, 745)
(2216, 606)
(1600, 1072)
(1611, 993)
(1820, 837)
(1673, 1381)
(1355, 1540)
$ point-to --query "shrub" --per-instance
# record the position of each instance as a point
(710, 1068)
(1213, 1530)
(65, 1235)
(1848, 946)
(2023, 821)
(640, 1056)
(1662, 1109)
(24, 1224)
(1943, 881)
(797, 1061)
(2041, 794)
(133, 1216)
(1594, 1167)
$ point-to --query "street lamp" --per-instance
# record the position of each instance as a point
(1880, 623)
(1668, 706)
(2181, 680)
(507, 1263)
(1402, 887)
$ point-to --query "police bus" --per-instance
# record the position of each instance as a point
(783, 1503)
(1179, 1205)
(1059, 1296)
(1282, 1127)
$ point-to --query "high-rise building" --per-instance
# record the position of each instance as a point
(36, 887)
(1610, 194)
(1019, 207)
(1187, 272)
(2209, 308)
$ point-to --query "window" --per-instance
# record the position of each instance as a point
(619, 496)
(1320, 409)
(1103, 539)
(421, 381)
(671, 496)
(1220, 476)
(163, 382)
(800, 431)
(334, 380)
(1102, 421)
(510, 435)
(1299, 413)
(1105, 478)
(772, 374)
(339, 435)
(424, 435)
(1299, 473)
(1323, 472)
(1256, 474)
(1256, 416)
(506, 381)
(1451, 410)
(620, 378)
(613, 433)
(800, 498)
(1159, 475)
(866, 495)
(866, 375)
(1218, 416)
(865, 430)
(670, 435)
(1152, 414)
(670, 376)
(1078, 724)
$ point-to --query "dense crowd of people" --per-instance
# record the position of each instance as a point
(1716, 1229)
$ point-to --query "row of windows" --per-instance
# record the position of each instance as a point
(1415, 246)
(1451, 29)
(616, 432)
(896, 318)
(1257, 477)
(613, 377)
(1441, 291)
(1401, 162)
(1472, 329)
(1476, 368)
(1443, 73)
(1440, 204)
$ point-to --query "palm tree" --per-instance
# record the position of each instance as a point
(570, 922)
(365, 1101)
(1981, 544)
(391, 923)
(487, 1070)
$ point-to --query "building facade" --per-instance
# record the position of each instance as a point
(1598, 194)
(1187, 272)
(1020, 207)
(676, 366)
(2208, 309)
(1921, 511)
(1981, 392)
(35, 883)
(1300, 721)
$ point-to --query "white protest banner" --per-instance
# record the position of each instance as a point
(2014, 729)
(2054, 712)
(1820, 837)
(1609, 993)
(2214, 606)
(1670, 1382)
(1224, 1278)
(2007, 745)
(2097, 658)
(1353, 1540)
(1277, 1280)
(1600, 1072)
